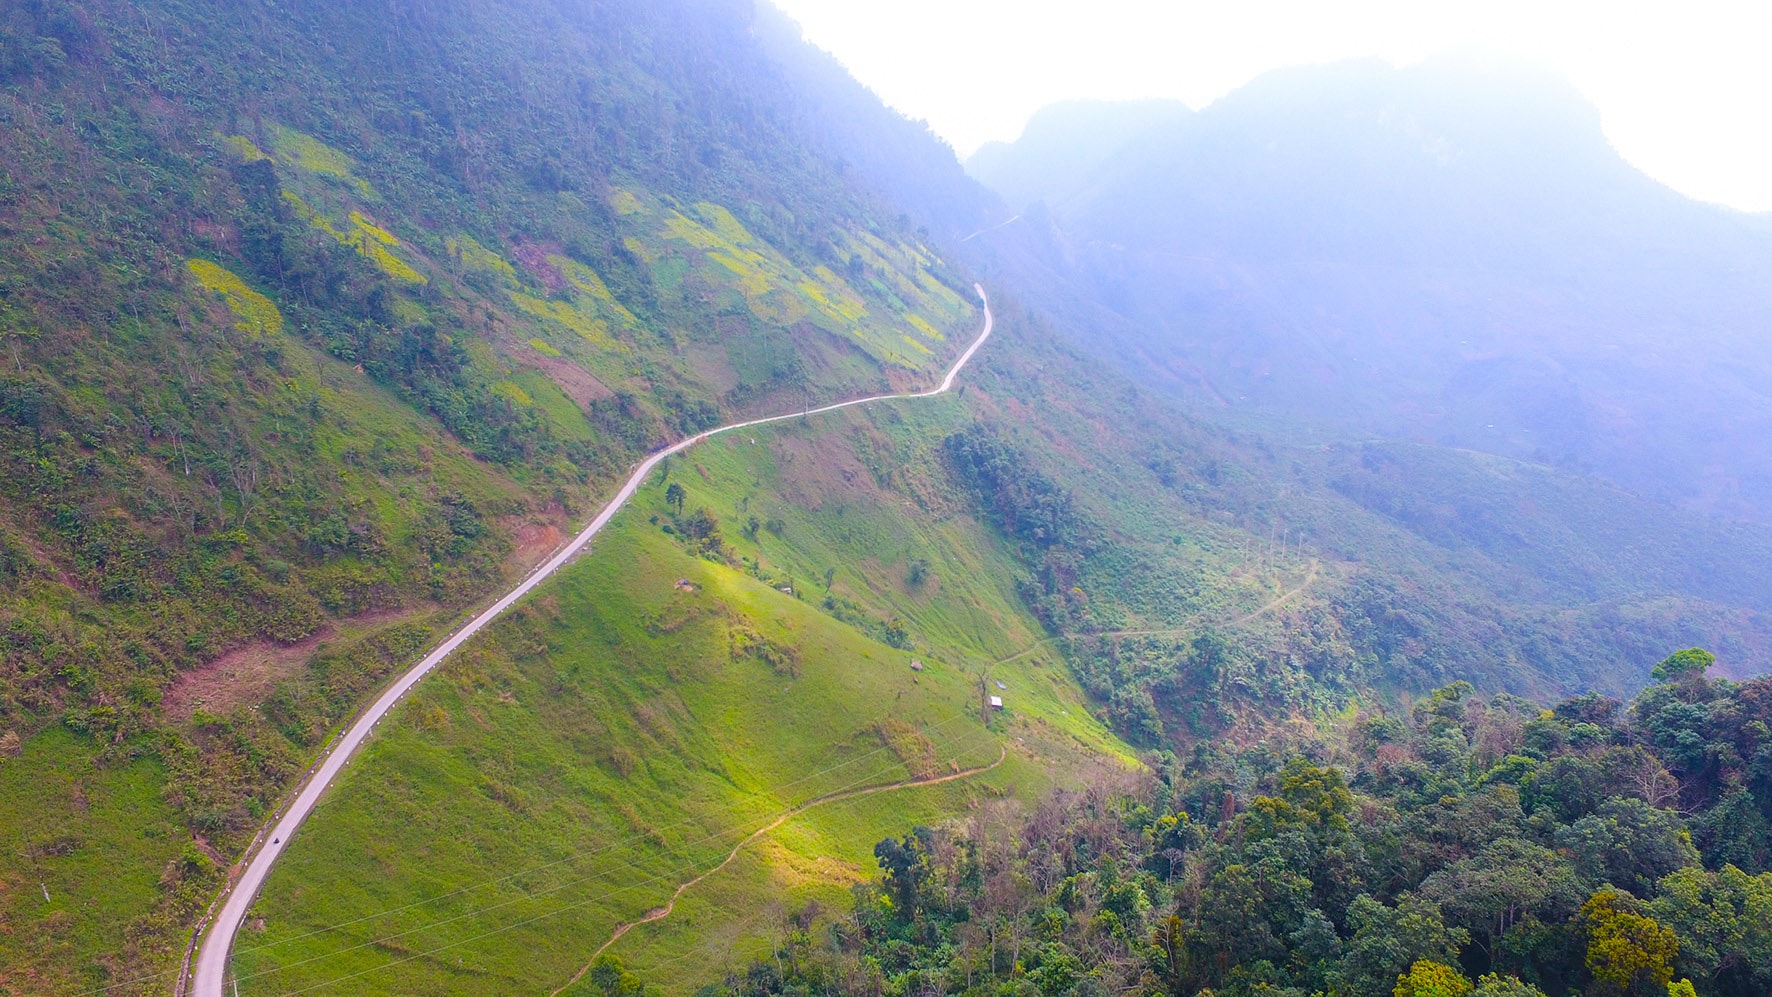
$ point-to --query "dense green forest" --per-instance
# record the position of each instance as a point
(1471, 847)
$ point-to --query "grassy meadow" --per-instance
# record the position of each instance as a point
(101, 839)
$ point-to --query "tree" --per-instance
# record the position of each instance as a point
(1248, 910)
(1493, 985)
(1629, 844)
(1508, 881)
(1387, 941)
(1724, 923)
(1432, 979)
(1312, 798)
(698, 525)
(1629, 955)
(674, 496)
(906, 865)
(1169, 939)
(610, 978)
(1684, 666)
(1735, 831)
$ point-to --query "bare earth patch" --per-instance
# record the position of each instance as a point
(532, 542)
(248, 675)
(812, 471)
(712, 365)
(580, 385)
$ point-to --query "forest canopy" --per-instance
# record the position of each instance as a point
(1468, 847)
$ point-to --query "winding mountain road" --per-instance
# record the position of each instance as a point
(217, 944)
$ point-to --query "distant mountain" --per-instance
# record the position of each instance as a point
(1065, 144)
(1450, 253)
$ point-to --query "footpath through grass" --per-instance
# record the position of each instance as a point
(652, 707)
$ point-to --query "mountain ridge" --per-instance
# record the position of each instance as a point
(1360, 246)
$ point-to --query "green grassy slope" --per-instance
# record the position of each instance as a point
(623, 731)
(93, 841)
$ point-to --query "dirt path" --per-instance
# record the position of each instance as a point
(1310, 579)
(660, 913)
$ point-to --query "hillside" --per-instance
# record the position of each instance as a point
(628, 737)
(197, 347)
(1448, 253)
(311, 346)
(703, 674)
(324, 322)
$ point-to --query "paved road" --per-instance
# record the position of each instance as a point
(212, 958)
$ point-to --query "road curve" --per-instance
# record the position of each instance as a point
(212, 957)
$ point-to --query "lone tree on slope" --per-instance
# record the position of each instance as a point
(1682, 666)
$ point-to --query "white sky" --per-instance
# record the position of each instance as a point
(1684, 86)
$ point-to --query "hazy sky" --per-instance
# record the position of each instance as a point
(1684, 88)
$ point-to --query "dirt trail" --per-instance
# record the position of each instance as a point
(660, 913)
(1310, 579)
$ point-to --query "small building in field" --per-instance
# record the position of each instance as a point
(996, 702)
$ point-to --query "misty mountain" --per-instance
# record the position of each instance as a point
(845, 121)
(1450, 253)
(1064, 144)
